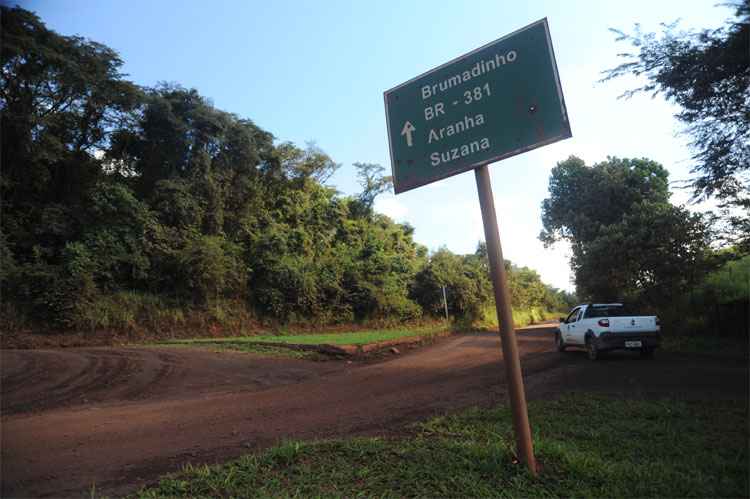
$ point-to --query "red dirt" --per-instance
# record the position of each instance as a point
(117, 418)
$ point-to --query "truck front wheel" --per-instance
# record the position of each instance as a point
(559, 342)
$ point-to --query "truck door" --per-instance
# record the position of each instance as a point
(578, 328)
(568, 327)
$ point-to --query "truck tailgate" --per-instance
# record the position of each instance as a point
(640, 324)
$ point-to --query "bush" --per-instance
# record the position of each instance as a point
(467, 285)
(211, 267)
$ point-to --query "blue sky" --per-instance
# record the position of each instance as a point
(316, 71)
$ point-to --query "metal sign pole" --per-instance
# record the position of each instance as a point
(505, 316)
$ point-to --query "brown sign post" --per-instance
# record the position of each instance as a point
(505, 317)
(497, 101)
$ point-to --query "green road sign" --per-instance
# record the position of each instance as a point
(497, 101)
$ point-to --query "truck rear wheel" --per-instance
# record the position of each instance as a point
(592, 349)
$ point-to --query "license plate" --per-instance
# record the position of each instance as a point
(633, 344)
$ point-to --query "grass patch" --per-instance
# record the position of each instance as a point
(338, 338)
(705, 344)
(588, 446)
(265, 350)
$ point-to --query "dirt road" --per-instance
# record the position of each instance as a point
(117, 418)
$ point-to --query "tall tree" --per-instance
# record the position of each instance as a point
(707, 74)
(583, 198)
(310, 162)
(60, 99)
(627, 240)
(373, 182)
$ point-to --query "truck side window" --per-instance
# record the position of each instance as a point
(573, 316)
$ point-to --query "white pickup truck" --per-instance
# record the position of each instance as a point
(600, 327)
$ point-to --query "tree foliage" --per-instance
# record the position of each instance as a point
(373, 183)
(707, 74)
(465, 278)
(469, 289)
(582, 199)
(628, 242)
(113, 191)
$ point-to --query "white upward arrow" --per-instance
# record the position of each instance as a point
(407, 130)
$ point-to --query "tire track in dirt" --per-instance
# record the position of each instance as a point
(64, 378)
(24, 364)
(44, 380)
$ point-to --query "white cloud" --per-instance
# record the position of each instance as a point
(390, 206)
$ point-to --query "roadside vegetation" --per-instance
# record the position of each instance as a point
(691, 268)
(588, 446)
(521, 317)
(147, 210)
(254, 348)
(707, 345)
(266, 344)
(705, 73)
(634, 245)
(628, 240)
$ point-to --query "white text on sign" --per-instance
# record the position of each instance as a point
(477, 70)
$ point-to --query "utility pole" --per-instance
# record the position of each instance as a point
(445, 303)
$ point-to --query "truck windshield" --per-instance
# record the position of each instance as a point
(607, 311)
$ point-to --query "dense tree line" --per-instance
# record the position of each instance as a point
(469, 295)
(115, 195)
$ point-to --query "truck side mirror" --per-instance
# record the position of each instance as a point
(562, 320)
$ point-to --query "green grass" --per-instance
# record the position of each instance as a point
(705, 344)
(588, 447)
(343, 338)
(265, 350)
